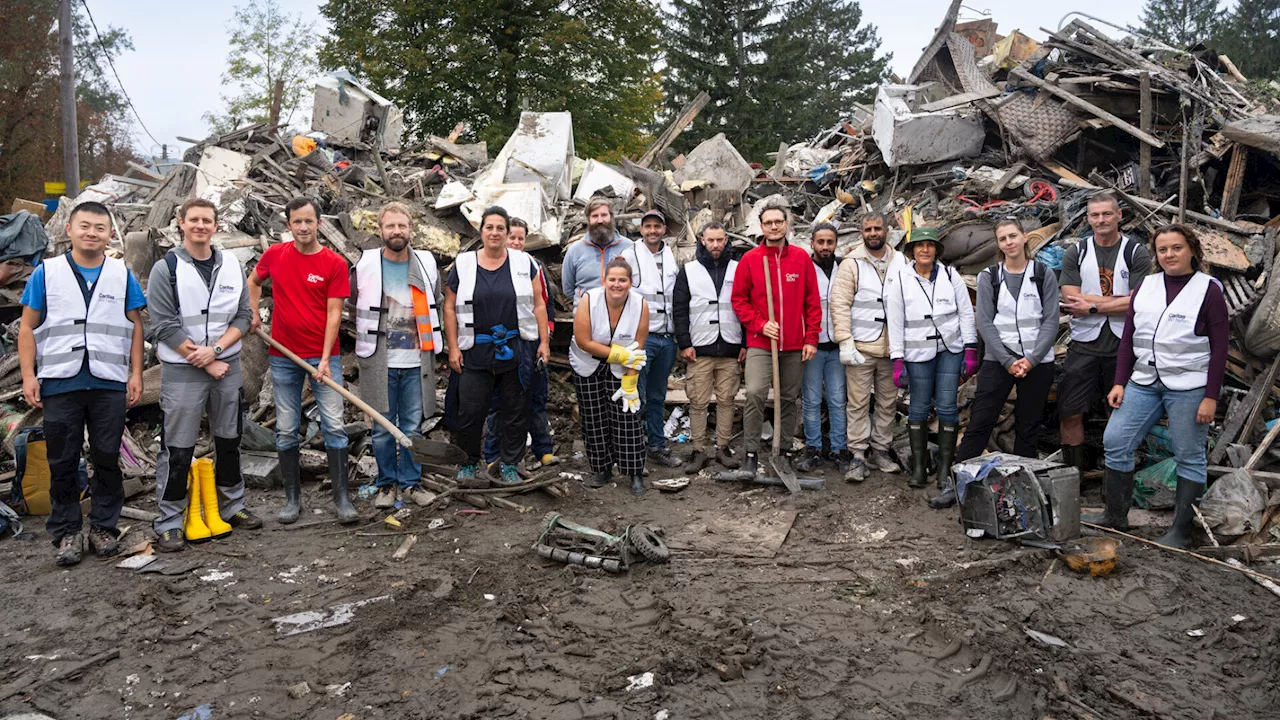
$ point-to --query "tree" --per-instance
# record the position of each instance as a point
(445, 61)
(1181, 23)
(1250, 36)
(268, 46)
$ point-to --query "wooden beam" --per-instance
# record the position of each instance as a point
(961, 99)
(1087, 107)
(1232, 69)
(1235, 180)
(1148, 124)
(998, 189)
(677, 126)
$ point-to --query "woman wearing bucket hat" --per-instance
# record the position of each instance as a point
(933, 344)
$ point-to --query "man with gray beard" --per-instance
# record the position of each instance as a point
(585, 260)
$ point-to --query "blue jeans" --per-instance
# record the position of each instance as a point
(539, 424)
(396, 466)
(287, 379)
(824, 370)
(661, 357)
(933, 385)
(1142, 408)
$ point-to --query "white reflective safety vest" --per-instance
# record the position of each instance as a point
(654, 277)
(929, 318)
(1165, 344)
(711, 315)
(70, 329)
(1018, 319)
(826, 330)
(206, 311)
(521, 267)
(371, 301)
(1087, 328)
(867, 321)
(583, 362)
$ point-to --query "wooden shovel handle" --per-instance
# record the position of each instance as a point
(773, 349)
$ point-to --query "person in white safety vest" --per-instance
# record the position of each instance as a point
(80, 349)
(859, 326)
(198, 302)
(934, 345)
(1097, 276)
(710, 339)
(824, 377)
(654, 268)
(492, 306)
(395, 303)
(606, 354)
(1017, 317)
(1171, 363)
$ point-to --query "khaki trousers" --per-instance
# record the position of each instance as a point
(759, 375)
(859, 380)
(704, 375)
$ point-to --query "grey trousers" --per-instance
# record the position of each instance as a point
(759, 377)
(185, 393)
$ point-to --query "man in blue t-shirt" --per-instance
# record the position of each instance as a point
(80, 346)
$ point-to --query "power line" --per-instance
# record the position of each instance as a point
(107, 55)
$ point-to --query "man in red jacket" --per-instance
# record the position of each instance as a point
(797, 312)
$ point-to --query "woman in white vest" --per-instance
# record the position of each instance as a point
(609, 328)
(1171, 362)
(933, 342)
(492, 304)
(1017, 317)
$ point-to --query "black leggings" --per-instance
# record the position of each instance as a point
(476, 390)
(994, 385)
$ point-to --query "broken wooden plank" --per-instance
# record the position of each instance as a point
(146, 171)
(1234, 182)
(1147, 122)
(1087, 107)
(1254, 399)
(1261, 132)
(677, 126)
(1008, 176)
(961, 99)
(406, 545)
(338, 240)
(1232, 70)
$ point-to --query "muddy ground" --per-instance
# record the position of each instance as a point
(866, 610)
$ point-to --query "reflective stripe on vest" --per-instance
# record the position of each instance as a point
(70, 330)
(1165, 344)
(655, 279)
(1088, 327)
(867, 318)
(371, 303)
(826, 329)
(207, 310)
(1018, 319)
(928, 320)
(521, 267)
(711, 316)
(583, 362)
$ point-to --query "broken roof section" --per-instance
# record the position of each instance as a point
(345, 109)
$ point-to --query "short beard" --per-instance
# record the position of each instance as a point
(875, 244)
(600, 233)
(396, 244)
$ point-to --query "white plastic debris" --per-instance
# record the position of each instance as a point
(639, 682)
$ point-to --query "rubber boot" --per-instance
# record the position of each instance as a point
(1073, 455)
(918, 432)
(1179, 536)
(1118, 493)
(291, 473)
(193, 527)
(637, 485)
(947, 434)
(338, 478)
(751, 465)
(209, 499)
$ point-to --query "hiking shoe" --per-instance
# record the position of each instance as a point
(494, 468)
(808, 459)
(724, 456)
(417, 495)
(509, 475)
(663, 456)
(467, 478)
(103, 542)
(844, 461)
(880, 460)
(386, 498)
(170, 541)
(245, 520)
(549, 459)
(697, 461)
(70, 550)
(857, 471)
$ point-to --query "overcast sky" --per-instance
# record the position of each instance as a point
(180, 48)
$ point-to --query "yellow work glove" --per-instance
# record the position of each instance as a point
(629, 394)
(630, 357)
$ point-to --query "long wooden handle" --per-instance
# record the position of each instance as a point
(773, 348)
(351, 398)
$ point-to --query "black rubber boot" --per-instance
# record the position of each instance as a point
(338, 478)
(637, 485)
(1179, 536)
(947, 434)
(918, 432)
(600, 480)
(752, 464)
(1073, 455)
(291, 474)
(1118, 492)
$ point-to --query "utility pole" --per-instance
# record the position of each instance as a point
(70, 136)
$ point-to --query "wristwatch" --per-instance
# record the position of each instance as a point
(1093, 308)
(217, 350)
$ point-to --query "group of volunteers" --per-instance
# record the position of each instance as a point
(849, 332)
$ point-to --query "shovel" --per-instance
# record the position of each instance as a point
(424, 450)
(777, 460)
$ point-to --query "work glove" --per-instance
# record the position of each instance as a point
(849, 354)
(970, 367)
(899, 373)
(630, 357)
(629, 394)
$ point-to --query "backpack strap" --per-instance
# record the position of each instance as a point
(171, 260)
(1130, 247)
(993, 278)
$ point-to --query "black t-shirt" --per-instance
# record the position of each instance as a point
(494, 303)
(205, 267)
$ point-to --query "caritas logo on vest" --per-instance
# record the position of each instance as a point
(314, 278)
(792, 277)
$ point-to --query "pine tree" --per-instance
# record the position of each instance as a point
(1181, 23)
(1250, 36)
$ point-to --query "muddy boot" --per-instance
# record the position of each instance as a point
(338, 477)
(637, 485)
(1118, 491)
(752, 464)
(947, 433)
(697, 461)
(1179, 536)
(600, 480)
(918, 432)
(724, 456)
(1073, 455)
(290, 472)
(807, 460)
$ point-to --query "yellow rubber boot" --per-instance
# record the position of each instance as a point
(209, 499)
(194, 527)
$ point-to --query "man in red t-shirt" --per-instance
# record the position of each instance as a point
(309, 283)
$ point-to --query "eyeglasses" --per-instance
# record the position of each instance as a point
(773, 223)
